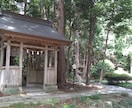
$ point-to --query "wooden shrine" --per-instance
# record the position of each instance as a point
(28, 52)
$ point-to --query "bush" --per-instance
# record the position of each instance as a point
(126, 85)
(96, 69)
(114, 78)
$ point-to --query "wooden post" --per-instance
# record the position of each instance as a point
(2, 55)
(45, 66)
(8, 49)
(20, 63)
(56, 65)
(27, 79)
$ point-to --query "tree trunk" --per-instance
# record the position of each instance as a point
(85, 65)
(54, 15)
(78, 77)
(69, 53)
(25, 7)
(92, 23)
(61, 57)
(77, 49)
(104, 55)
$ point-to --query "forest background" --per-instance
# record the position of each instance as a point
(100, 31)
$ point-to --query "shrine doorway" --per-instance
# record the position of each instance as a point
(33, 68)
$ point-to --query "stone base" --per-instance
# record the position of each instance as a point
(2, 88)
(12, 90)
(50, 88)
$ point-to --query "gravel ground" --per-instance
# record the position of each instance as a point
(42, 96)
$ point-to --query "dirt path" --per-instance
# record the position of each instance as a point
(42, 96)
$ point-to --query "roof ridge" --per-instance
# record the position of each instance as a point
(26, 18)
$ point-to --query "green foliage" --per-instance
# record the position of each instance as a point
(113, 15)
(34, 9)
(23, 105)
(71, 76)
(96, 97)
(95, 70)
(65, 106)
(52, 102)
(18, 105)
(123, 60)
(126, 103)
(8, 5)
(31, 105)
(124, 94)
(114, 78)
(125, 84)
(72, 105)
(16, 61)
(84, 99)
(115, 100)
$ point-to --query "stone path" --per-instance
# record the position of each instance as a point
(42, 96)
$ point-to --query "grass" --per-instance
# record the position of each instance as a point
(122, 100)
(96, 97)
(18, 105)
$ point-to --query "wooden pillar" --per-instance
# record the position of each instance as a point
(21, 63)
(27, 79)
(8, 49)
(1, 64)
(45, 66)
(56, 64)
(2, 55)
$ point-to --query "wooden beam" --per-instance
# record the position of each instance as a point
(24, 37)
(34, 47)
(30, 46)
(37, 47)
(45, 66)
(20, 62)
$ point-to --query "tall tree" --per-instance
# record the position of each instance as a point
(88, 13)
(61, 58)
(91, 30)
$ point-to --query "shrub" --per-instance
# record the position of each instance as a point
(126, 85)
(114, 78)
(96, 69)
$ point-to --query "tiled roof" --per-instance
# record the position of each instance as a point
(27, 25)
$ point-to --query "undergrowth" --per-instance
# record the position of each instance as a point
(122, 100)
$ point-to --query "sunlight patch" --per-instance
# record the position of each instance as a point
(10, 28)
